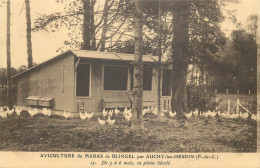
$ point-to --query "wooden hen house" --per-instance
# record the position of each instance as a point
(89, 80)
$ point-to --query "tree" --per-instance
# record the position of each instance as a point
(86, 25)
(127, 47)
(137, 121)
(9, 83)
(197, 38)
(29, 42)
(98, 25)
(245, 47)
(159, 93)
(180, 46)
(252, 24)
(237, 59)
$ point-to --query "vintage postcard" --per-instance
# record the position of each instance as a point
(129, 83)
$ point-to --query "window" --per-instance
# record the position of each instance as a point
(83, 80)
(166, 82)
(115, 78)
(147, 78)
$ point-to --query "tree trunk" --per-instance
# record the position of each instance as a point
(159, 63)
(93, 27)
(180, 46)
(137, 120)
(29, 42)
(86, 25)
(9, 84)
(105, 27)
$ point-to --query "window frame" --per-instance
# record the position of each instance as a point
(152, 78)
(103, 79)
(148, 67)
(162, 83)
(90, 81)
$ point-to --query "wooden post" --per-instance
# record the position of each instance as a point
(237, 91)
(237, 108)
(228, 105)
(216, 91)
(227, 91)
(217, 105)
(249, 91)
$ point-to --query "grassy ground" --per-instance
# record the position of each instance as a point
(197, 134)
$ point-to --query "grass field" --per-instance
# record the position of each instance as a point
(197, 134)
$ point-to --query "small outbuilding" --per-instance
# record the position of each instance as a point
(89, 81)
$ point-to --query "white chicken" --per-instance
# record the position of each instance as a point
(66, 115)
(9, 111)
(110, 113)
(3, 114)
(104, 113)
(145, 110)
(171, 114)
(155, 111)
(111, 122)
(162, 114)
(188, 115)
(90, 115)
(212, 114)
(219, 113)
(83, 116)
(46, 112)
(196, 112)
(1, 109)
(253, 117)
(101, 122)
(33, 112)
(126, 111)
(244, 115)
(117, 111)
(233, 116)
(18, 111)
(208, 113)
(226, 115)
(128, 115)
(223, 114)
(86, 115)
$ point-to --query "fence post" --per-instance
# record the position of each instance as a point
(228, 105)
(237, 91)
(216, 91)
(237, 108)
(217, 105)
(249, 91)
(227, 91)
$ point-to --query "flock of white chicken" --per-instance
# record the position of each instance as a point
(127, 113)
(4, 112)
(225, 114)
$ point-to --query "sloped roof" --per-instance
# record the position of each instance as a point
(113, 56)
(97, 55)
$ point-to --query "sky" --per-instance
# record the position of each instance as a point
(45, 45)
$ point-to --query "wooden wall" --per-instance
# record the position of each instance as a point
(54, 79)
